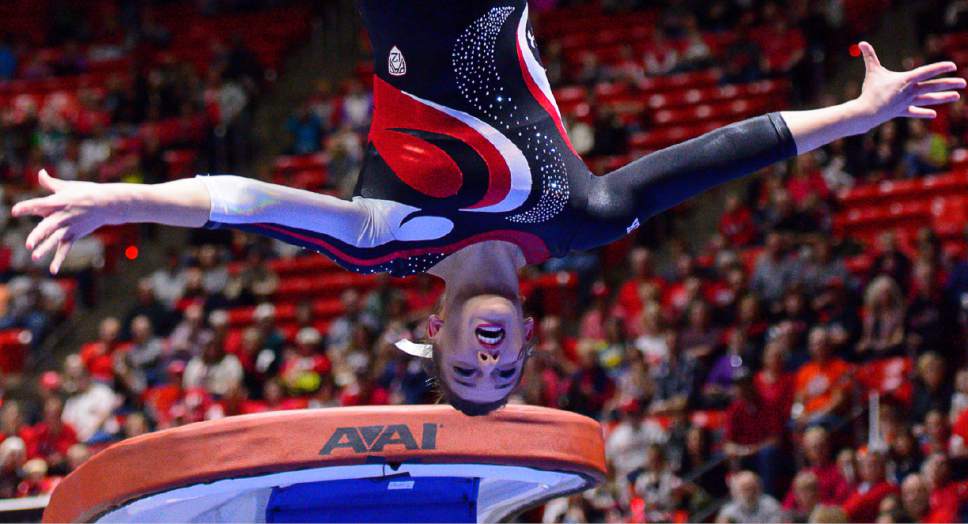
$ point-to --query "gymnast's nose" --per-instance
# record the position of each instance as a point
(488, 358)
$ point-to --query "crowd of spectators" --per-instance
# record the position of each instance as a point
(101, 98)
(732, 379)
(121, 100)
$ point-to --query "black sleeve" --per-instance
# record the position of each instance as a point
(621, 200)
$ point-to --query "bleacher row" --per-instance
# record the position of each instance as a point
(268, 33)
(277, 31)
(584, 22)
(937, 202)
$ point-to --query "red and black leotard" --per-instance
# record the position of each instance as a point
(467, 141)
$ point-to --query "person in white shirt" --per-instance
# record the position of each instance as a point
(214, 370)
(627, 444)
(168, 282)
(749, 503)
(89, 409)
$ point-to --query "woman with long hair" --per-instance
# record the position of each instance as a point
(884, 320)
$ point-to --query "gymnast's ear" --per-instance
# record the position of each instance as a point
(528, 328)
(434, 323)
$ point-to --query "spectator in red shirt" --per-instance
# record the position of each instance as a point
(806, 497)
(945, 496)
(596, 315)
(936, 437)
(642, 264)
(806, 181)
(50, 438)
(363, 392)
(834, 489)
(774, 385)
(752, 435)
(98, 356)
(736, 224)
(915, 498)
(680, 295)
(160, 399)
(864, 503)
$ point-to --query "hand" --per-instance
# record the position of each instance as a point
(73, 210)
(890, 94)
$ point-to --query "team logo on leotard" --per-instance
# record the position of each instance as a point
(397, 64)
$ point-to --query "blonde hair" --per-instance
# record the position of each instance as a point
(878, 286)
(927, 359)
(831, 514)
(806, 479)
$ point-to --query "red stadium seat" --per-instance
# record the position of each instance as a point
(312, 161)
(14, 344)
(180, 162)
(860, 264)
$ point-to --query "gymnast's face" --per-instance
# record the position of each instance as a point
(481, 343)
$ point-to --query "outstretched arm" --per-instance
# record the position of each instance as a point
(75, 209)
(885, 95)
(619, 201)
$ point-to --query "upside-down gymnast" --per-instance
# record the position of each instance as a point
(469, 175)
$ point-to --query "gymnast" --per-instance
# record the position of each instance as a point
(469, 175)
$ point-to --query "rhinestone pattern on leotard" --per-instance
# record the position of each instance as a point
(479, 82)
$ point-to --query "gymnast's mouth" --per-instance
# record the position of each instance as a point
(489, 335)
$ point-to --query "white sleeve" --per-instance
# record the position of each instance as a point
(241, 200)
(361, 222)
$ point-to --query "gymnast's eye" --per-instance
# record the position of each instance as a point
(464, 372)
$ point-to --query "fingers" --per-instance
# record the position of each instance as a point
(870, 57)
(930, 71)
(933, 99)
(920, 112)
(48, 182)
(941, 84)
(48, 244)
(44, 229)
(62, 248)
(38, 206)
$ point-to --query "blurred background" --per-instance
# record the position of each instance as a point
(790, 347)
